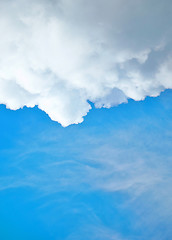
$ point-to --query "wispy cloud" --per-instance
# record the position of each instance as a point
(129, 160)
(119, 161)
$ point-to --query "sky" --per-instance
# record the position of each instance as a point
(85, 120)
(106, 178)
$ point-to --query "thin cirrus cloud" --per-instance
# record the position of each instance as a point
(60, 55)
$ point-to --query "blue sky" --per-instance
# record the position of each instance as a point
(106, 178)
(85, 119)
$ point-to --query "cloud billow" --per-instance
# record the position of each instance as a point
(60, 55)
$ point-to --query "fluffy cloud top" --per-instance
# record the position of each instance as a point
(60, 54)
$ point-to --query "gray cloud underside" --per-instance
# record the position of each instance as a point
(61, 54)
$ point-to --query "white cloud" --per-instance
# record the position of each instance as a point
(60, 54)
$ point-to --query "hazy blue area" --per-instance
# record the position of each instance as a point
(107, 178)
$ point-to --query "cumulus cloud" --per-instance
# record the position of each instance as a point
(61, 54)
